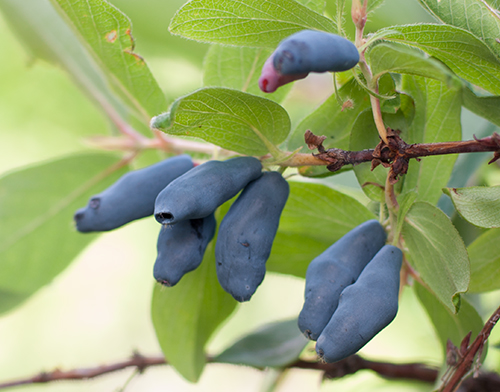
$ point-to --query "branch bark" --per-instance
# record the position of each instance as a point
(352, 364)
(395, 154)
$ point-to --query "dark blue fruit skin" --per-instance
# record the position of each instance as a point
(200, 191)
(131, 197)
(365, 308)
(246, 235)
(335, 269)
(181, 248)
(314, 51)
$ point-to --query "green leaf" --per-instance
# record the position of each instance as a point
(484, 254)
(48, 36)
(246, 22)
(388, 57)
(405, 201)
(107, 32)
(315, 216)
(478, 205)
(446, 324)
(486, 107)
(474, 15)
(37, 238)
(185, 316)
(364, 135)
(331, 120)
(437, 119)
(238, 68)
(466, 55)
(316, 5)
(231, 119)
(273, 345)
(437, 252)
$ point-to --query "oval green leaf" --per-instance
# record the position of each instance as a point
(273, 345)
(479, 205)
(315, 216)
(231, 119)
(446, 324)
(477, 16)
(437, 252)
(107, 33)
(246, 22)
(465, 54)
(185, 316)
(484, 254)
(37, 237)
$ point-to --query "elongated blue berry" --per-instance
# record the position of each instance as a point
(304, 52)
(181, 248)
(246, 235)
(335, 269)
(365, 308)
(131, 197)
(201, 190)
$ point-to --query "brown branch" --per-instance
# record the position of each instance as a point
(355, 363)
(467, 355)
(138, 361)
(352, 364)
(397, 153)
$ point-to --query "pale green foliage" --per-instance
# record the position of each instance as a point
(229, 118)
(246, 22)
(474, 15)
(437, 252)
(484, 254)
(478, 205)
(429, 71)
(108, 34)
(464, 53)
(36, 210)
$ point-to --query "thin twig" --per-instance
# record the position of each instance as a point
(468, 355)
(397, 153)
(352, 364)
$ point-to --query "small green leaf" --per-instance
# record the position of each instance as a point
(331, 119)
(273, 345)
(437, 119)
(37, 237)
(246, 22)
(474, 15)
(186, 315)
(231, 119)
(486, 107)
(478, 205)
(446, 324)
(364, 135)
(238, 68)
(108, 35)
(315, 216)
(484, 254)
(437, 252)
(466, 55)
(388, 57)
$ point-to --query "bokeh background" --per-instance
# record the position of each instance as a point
(98, 310)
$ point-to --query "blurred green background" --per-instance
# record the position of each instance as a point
(97, 311)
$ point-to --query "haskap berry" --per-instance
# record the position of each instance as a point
(131, 197)
(304, 52)
(334, 270)
(365, 307)
(246, 235)
(181, 248)
(201, 190)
